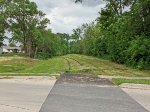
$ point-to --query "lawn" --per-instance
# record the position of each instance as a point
(51, 66)
(119, 81)
(20, 65)
(99, 66)
(15, 64)
(72, 63)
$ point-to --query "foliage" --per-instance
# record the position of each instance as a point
(72, 63)
(121, 35)
(138, 54)
(24, 21)
(28, 26)
(12, 54)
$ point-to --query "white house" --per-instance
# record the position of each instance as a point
(7, 49)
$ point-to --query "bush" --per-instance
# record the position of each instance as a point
(116, 49)
(44, 55)
(138, 54)
(12, 54)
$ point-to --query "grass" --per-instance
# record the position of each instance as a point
(12, 55)
(119, 81)
(51, 66)
(71, 63)
(27, 66)
(99, 66)
(15, 64)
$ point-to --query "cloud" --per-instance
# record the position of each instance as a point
(65, 15)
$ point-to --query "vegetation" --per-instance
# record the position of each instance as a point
(119, 35)
(28, 65)
(72, 63)
(15, 64)
(134, 81)
(12, 54)
(51, 66)
(28, 26)
(97, 66)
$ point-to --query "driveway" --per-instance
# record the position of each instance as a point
(77, 93)
(24, 94)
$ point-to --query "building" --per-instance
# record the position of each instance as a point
(7, 49)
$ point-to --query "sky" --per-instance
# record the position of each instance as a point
(65, 15)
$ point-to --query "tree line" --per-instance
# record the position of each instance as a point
(28, 26)
(121, 33)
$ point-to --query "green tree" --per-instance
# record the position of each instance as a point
(122, 36)
(3, 24)
(25, 21)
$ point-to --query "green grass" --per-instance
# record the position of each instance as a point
(52, 66)
(78, 64)
(119, 81)
(20, 65)
(99, 66)
(15, 64)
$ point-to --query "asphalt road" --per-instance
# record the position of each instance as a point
(83, 94)
(24, 94)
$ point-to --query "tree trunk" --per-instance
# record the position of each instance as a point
(35, 54)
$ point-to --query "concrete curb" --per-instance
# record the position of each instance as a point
(135, 86)
(111, 77)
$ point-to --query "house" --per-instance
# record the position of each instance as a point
(7, 49)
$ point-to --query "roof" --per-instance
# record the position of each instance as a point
(11, 48)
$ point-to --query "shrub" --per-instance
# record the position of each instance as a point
(138, 53)
(44, 55)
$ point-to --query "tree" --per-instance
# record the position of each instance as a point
(122, 36)
(3, 24)
(25, 22)
(65, 41)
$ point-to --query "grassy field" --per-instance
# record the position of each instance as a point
(69, 63)
(119, 81)
(98, 66)
(15, 64)
(27, 65)
(52, 66)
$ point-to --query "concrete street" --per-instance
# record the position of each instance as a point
(71, 94)
(24, 94)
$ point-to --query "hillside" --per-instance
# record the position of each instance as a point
(71, 63)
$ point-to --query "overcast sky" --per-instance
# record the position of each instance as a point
(65, 15)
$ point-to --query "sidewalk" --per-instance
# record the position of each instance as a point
(139, 92)
(24, 94)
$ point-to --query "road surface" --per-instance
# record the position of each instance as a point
(73, 93)
(24, 94)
